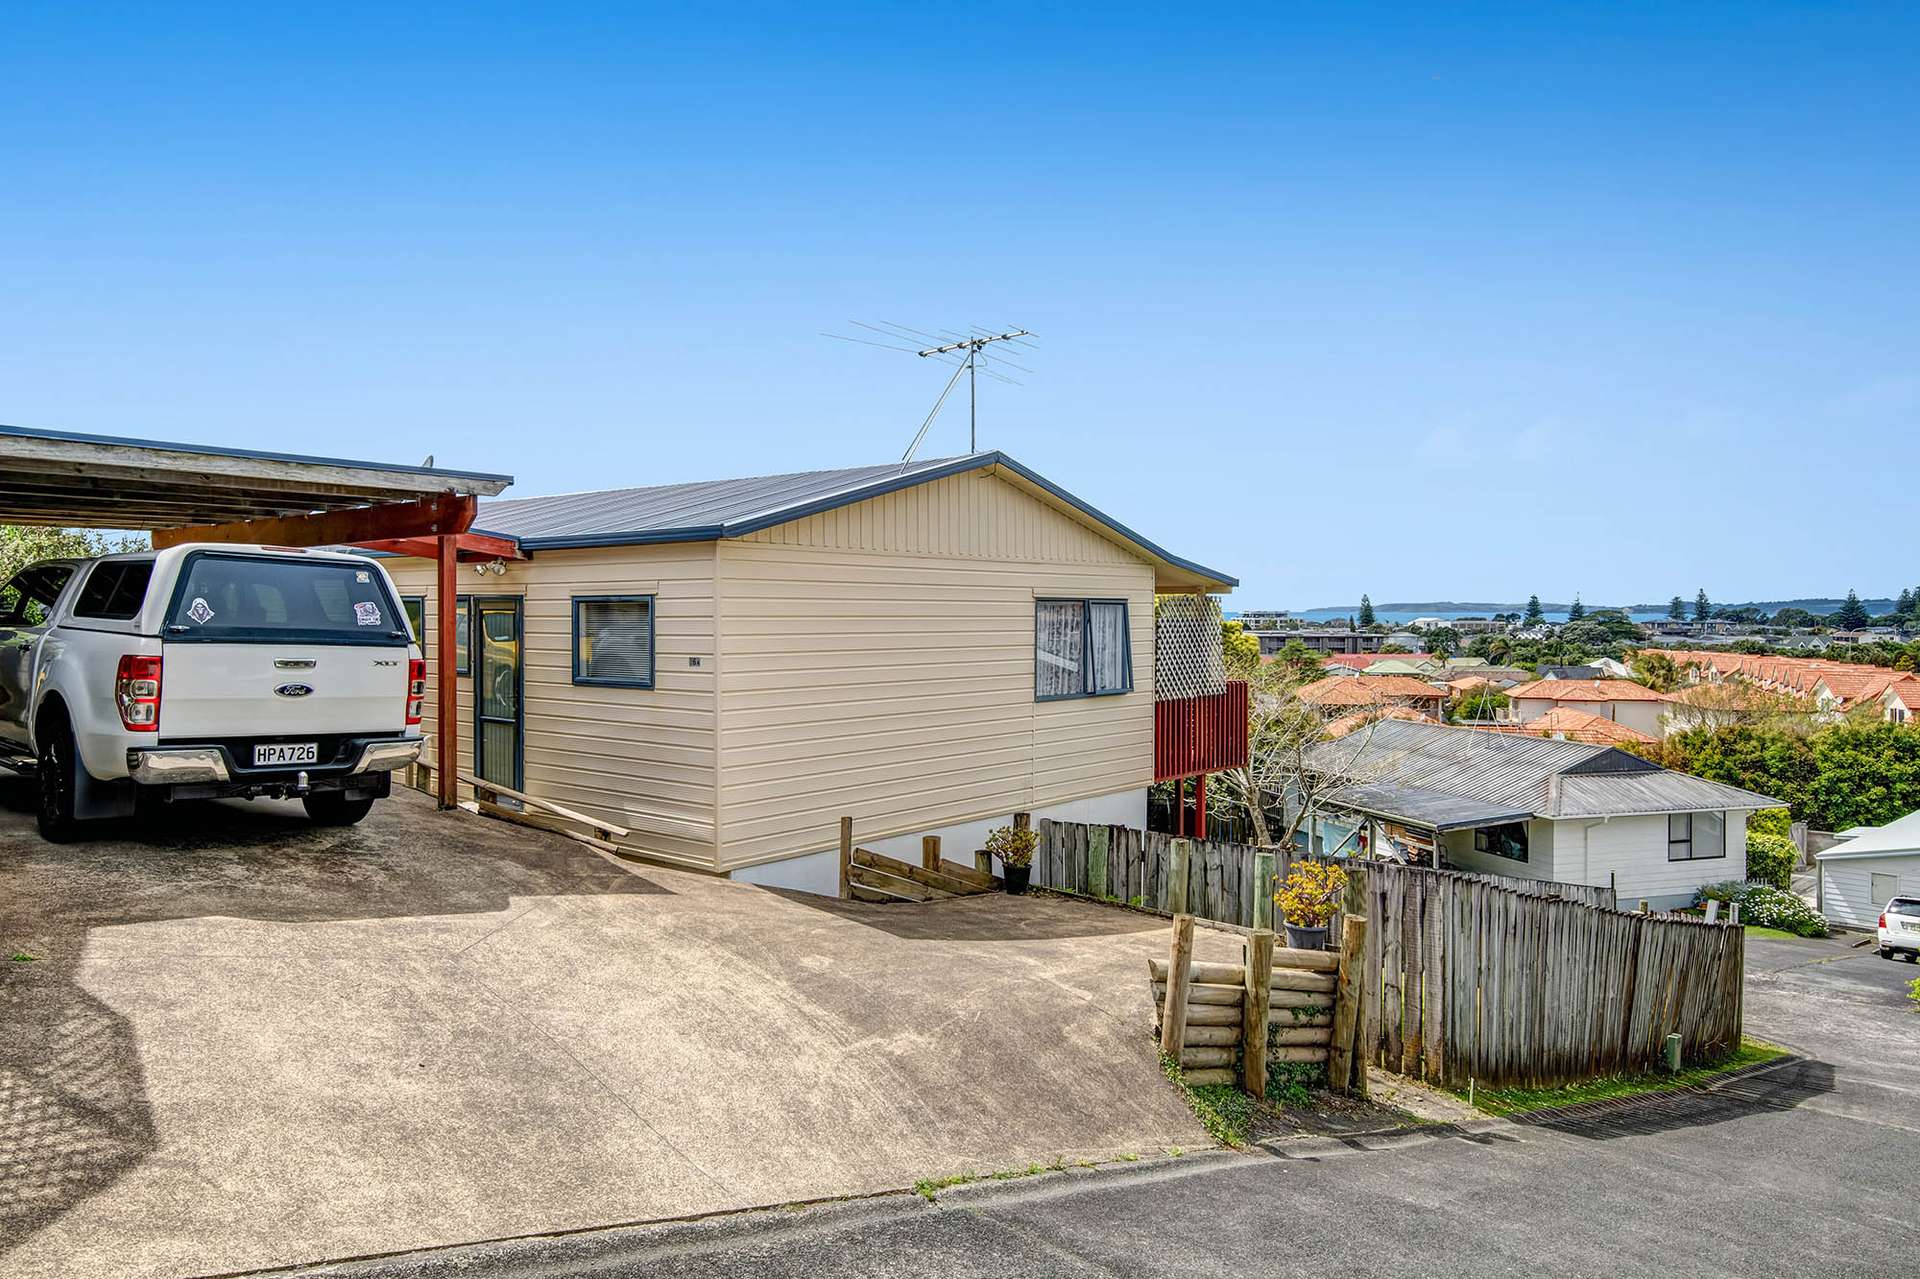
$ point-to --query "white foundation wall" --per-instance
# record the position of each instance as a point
(819, 872)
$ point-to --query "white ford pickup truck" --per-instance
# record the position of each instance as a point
(203, 671)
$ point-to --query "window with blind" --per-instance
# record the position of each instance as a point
(1080, 649)
(613, 640)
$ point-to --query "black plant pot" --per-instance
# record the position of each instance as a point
(1307, 938)
(1016, 877)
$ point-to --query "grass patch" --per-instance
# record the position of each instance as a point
(22, 957)
(929, 1188)
(1223, 1110)
(1913, 990)
(1516, 1101)
(1761, 930)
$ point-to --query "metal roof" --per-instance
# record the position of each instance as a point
(106, 481)
(714, 509)
(1898, 838)
(1432, 809)
(1546, 776)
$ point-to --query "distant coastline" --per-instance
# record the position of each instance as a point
(1400, 612)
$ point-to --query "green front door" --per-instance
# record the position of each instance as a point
(496, 691)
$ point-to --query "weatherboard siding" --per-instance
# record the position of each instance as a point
(642, 758)
(877, 661)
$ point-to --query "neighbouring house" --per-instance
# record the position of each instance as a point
(1426, 668)
(727, 668)
(1536, 808)
(1338, 695)
(1574, 725)
(1829, 688)
(1900, 702)
(1620, 700)
(1320, 639)
(1860, 873)
(1573, 672)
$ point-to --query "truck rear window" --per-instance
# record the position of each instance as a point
(1904, 906)
(232, 597)
(115, 589)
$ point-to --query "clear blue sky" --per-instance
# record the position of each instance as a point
(1610, 299)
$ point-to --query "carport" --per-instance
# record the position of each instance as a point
(202, 493)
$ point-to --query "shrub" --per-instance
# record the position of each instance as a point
(1771, 821)
(1768, 906)
(1771, 859)
(1013, 846)
(1311, 894)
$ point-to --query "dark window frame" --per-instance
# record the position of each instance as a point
(1087, 664)
(653, 655)
(1483, 841)
(420, 637)
(1690, 840)
(48, 604)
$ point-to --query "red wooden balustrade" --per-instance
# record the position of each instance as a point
(1193, 735)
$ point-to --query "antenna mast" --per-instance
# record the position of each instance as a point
(972, 347)
(963, 349)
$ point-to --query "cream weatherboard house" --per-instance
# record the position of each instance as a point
(728, 668)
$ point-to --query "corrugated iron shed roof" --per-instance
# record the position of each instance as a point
(1433, 809)
(1546, 776)
(712, 509)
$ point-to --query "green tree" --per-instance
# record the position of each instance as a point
(1483, 703)
(1657, 671)
(1534, 614)
(1904, 604)
(1239, 651)
(1366, 611)
(1850, 616)
(1791, 617)
(1864, 775)
(1576, 610)
(1702, 607)
(1298, 661)
(22, 544)
(1677, 609)
(1441, 641)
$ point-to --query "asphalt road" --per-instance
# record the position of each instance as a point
(1801, 1168)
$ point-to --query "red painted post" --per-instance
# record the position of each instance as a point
(446, 717)
(1200, 806)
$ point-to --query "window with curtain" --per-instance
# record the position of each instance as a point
(1080, 649)
(613, 641)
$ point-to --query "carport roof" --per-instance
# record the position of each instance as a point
(102, 481)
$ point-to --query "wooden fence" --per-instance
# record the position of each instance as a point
(1133, 866)
(1468, 977)
(1476, 981)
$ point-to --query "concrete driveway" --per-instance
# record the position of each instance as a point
(241, 1041)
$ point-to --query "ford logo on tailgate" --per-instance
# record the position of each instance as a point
(293, 690)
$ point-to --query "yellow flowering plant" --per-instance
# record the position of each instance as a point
(1311, 894)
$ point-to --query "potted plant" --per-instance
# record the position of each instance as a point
(1308, 900)
(1014, 846)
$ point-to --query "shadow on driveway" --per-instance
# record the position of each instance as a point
(1775, 1085)
(74, 1112)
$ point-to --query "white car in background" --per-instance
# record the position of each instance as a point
(1900, 929)
(204, 671)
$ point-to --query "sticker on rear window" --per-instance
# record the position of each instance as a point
(362, 577)
(366, 613)
(200, 611)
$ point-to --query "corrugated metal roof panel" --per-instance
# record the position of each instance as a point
(1418, 807)
(1546, 776)
(711, 509)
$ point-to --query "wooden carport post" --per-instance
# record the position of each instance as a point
(446, 730)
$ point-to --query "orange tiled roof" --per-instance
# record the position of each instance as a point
(1360, 661)
(1579, 726)
(1348, 723)
(1367, 690)
(1586, 690)
(1848, 682)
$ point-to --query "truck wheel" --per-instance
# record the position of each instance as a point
(333, 808)
(58, 784)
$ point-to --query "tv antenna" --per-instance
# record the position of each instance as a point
(967, 352)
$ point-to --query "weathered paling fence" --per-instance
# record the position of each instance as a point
(1133, 866)
(1498, 980)
(1476, 981)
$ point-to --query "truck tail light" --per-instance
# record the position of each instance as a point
(1882, 925)
(136, 690)
(416, 687)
